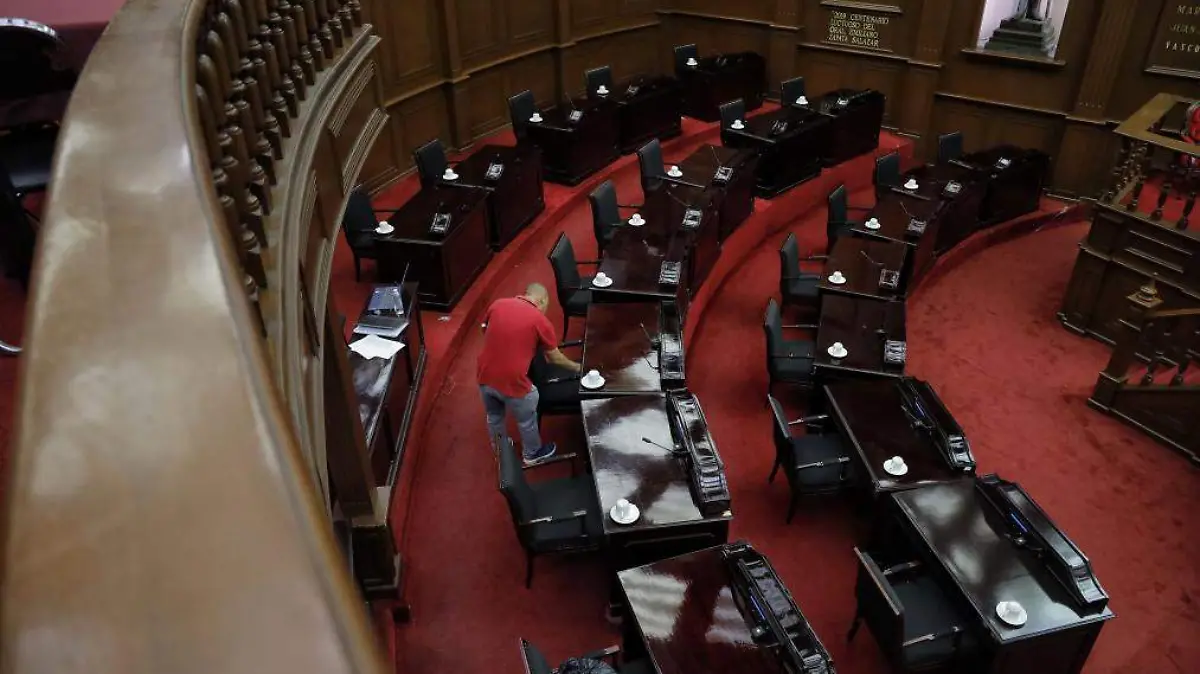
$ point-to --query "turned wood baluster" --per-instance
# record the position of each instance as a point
(233, 150)
(1184, 363)
(324, 34)
(1163, 195)
(1187, 211)
(347, 18)
(266, 71)
(282, 21)
(356, 12)
(283, 60)
(251, 287)
(335, 23)
(220, 43)
(266, 140)
(300, 25)
(1137, 194)
(306, 15)
(1116, 179)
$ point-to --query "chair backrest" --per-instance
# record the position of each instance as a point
(790, 90)
(684, 52)
(535, 662)
(360, 214)
(773, 327)
(887, 171)
(785, 452)
(731, 111)
(30, 60)
(521, 499)
(566, 271)
(605, 212)
(789, 262)
(520, 108)
(431, 162)
(950, 146)
(836, 214)
(879, 606)
(650, 161)
(595, 77)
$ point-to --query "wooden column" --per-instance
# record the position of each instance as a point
(785, 27)
(564, 40)
(455, 76)
(1087, 142)
(921, 77)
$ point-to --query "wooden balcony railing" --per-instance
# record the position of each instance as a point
(1157, 397)
(169, 502)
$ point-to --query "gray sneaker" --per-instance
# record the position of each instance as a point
(545, 452)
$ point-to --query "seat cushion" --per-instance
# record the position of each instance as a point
(797, 348)
(928, 611)
(361, 242)
(577, 303)
(802, 288)
(557, 396)
(797, 370)
(560, 498)
(813, 448)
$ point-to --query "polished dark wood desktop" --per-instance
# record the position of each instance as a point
(959, 214)
(862, 326)
(624, 466)
(516, 198)
(869, 416)
(648, 106)
(722, 78)
(734, 200)
(952, 528)
(790, 143)
(682, 614)
(572, 151)
(444, 265)
(855, 120)
(618, 341)
(387, 390)
(894, 210)
(860, 261)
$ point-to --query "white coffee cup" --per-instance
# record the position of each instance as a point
(873, 223)
(911, 184)
(838, 350)
(803, 100)
(837, 277)
(602, 90)
(624, 508)
(692, 61)
(674, 171)
(537, 117)
(601, 277)
(636, 219)
(449, 174)
(738, 124)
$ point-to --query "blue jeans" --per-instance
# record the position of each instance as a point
(524, 409)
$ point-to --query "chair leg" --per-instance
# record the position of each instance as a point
(854, 627)
(528, 570)
(566, 324)
(774, 469)
(792, 507)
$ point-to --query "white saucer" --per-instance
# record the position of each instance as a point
(602, 91)
(592, 386)
(844, 352)
(737, 124)
(606, 282)
(837, 281)
(872, 224)
(692, 62)
(637, 223)
(450, 176)
(535, 119)
(891, 468)
(385, 228)
(674, 172)
(633, 516)
(1011, 613)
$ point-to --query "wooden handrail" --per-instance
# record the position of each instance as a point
(161, 516)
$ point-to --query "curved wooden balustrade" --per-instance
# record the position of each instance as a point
(168, 506)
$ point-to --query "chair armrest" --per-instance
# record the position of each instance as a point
(852, 207)
(609, 653)
(630, 206)
(814, 258)
(899, 568)
(573, 342)
(822, 464)
(954, 631)
(587, 262)
(559, 458)
(578, 514)
(810, 420)
(800, 326)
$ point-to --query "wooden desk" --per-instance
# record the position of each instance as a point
(683, 615)
(387, 391)
(861, 326)
(952, 528)
(894, 211)
(516, 198)
(734, 200)
(790, 143)
(861, 260)
(1013, 189)
(870, 416)
(722, 78)
(622, 342)
(572, 151)
(855, 119)
(650, 477)
(442, 264)
(959, 214)
(648, 106)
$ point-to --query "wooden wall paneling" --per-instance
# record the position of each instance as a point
(757, 10)
(784, 32)
(822, 70)
(1133, 86)
(715, 36)
(971, 120)
(1112, 32)
(885, 76)
(481, 30)
(419, 120)
(410, 55)
(911, 111)
(530, 23)
(1039, 132)
(1085, 158)
(485, 101)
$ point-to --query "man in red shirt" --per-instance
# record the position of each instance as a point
(515, 328)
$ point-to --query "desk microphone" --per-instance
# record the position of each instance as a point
(871, 259)
(716, 156)
(645, 332)
(673, 450)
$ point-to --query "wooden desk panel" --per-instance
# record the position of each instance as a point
(721, 78)
(516, 198)
(855, 117)
(572, 151)
(861, 326)
(861, 260)
(735, 200)
(648, 106)
(788, 157)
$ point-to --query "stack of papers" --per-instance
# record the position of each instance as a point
(372, 346)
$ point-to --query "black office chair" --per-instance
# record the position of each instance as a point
(814, 463)
(837, 217)
(520, 108)
(558, 387)
(684, 52)
(431, 163)
(788, 360)
(650, 161)
(606, 213)
(574, 291)
(796, 288)
(950, 146)
(554, 516)
(595, 77)
(358, 224)
(790, 90)
(535, 662)
(915, 624)
(731, 112)
(17, 234)
(887, 173)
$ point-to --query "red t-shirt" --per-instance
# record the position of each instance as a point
(516, 329)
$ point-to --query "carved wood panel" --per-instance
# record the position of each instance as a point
(714, 36)
(985, 126)
(759, 10)
(628, 53)
(419, 120)
(825, 70)
(481, 29)
(410, 56)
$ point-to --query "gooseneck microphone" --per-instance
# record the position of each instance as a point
(648, 441)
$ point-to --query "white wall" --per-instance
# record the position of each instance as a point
(1058, 14)
(995, 11)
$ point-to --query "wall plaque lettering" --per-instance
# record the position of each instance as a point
(1176, 46)
(859, 29)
